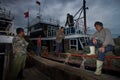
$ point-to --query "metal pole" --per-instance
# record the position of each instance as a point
(84, 13)
(39, 10)
(28, 23)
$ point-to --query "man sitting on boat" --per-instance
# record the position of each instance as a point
(102, 40)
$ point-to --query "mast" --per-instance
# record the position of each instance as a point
(84, 14)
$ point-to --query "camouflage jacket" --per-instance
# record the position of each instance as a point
(19, 45)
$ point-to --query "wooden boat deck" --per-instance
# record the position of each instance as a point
(34, 74)
(44, 66)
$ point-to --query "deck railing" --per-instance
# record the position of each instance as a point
(84, 56)
(6, 14)
(68, 31)
(46, 20)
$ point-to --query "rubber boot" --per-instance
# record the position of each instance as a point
(98, 68)
(92, 50)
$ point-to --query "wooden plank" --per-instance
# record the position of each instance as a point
(59, 71)
(34, 74)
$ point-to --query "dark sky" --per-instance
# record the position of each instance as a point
(106, 11)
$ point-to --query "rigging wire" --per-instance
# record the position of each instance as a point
(79, 9)
(79, 15)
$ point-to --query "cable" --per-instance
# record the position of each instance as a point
(78, 11)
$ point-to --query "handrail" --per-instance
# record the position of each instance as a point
(108, 57)
(68, 31)
(47, 20)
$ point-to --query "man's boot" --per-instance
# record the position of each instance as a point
(98, 67)
(92, 50)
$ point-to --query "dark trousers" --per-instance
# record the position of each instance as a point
(101, 55)
(58, 48)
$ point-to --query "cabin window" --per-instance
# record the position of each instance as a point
(73, 42)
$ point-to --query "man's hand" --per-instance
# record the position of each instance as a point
(94, 41)
(102, 49)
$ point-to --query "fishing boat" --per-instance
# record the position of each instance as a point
(42, 68)
(75, 37)
(74, 40)
(6, 36)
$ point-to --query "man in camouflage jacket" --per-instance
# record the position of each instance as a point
(19, 53)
